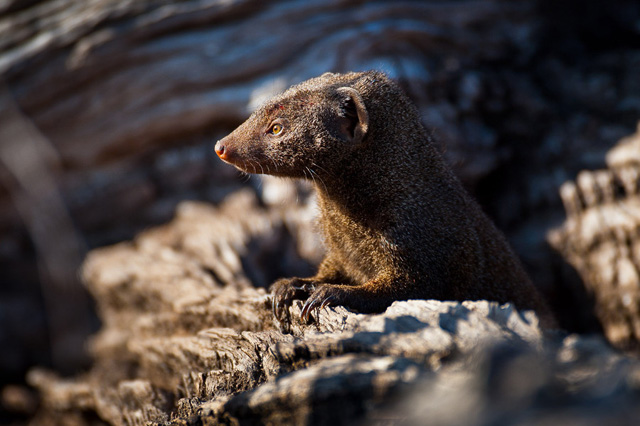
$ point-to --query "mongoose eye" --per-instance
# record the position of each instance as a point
(276, 129)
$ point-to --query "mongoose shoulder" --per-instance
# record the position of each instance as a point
(397, 223)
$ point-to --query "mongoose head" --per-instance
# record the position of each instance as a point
(309, 129)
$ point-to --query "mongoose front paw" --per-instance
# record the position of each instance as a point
(285, 291)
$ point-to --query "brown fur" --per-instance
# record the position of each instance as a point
(397, 223)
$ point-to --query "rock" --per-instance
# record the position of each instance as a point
(600, 238)
(186, 339)
(514, 386)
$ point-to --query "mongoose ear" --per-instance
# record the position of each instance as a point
(355, 115)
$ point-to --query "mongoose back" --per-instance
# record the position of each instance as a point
(397, 223)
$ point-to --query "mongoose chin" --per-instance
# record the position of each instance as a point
(396, 222)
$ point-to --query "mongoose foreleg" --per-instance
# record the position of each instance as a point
(372, 296)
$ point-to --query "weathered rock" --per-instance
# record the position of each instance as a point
(180, 317)
(601, 239)
(510, 385)
(186, 339)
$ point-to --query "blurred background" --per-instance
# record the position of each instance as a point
(109, 111)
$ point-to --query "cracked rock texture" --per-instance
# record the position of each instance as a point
(187, 340)
(601, 239)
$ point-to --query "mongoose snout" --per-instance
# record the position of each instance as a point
(396, 227)
(227, 152)
(236, 155)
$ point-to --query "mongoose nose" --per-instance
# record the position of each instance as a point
(221, 150)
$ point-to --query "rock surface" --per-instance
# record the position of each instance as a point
(601, 239)
(187, 340)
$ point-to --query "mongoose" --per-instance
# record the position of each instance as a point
(397, 223)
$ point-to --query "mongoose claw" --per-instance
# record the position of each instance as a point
(327, 302)
(317, 301)
(306, 310)
(285, 291)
